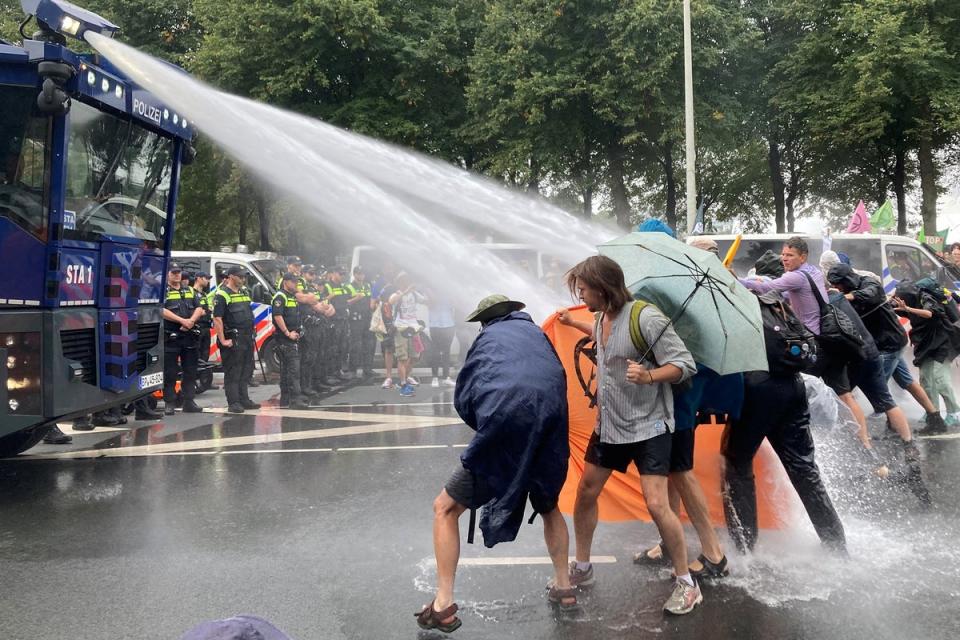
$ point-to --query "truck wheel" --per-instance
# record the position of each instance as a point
(11, 445)
(270, 356)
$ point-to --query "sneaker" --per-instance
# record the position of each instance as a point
(435, 383)
(55, 436)
(933, 424)
(683, 599)
(387, 384)
(449, 382)
(580, 577)
(407, 390)
(951, 420)
(413, 381)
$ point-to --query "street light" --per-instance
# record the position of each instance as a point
(691, 154)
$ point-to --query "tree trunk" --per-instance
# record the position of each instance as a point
(671, 180)
(928, 186)
(263, 214)
(242, 228)
(776, 182)
(790, 215)
(899, 188)
(533, 181)
(587, 193)
(618, 188)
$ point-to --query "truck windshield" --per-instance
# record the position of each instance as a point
(118, 179)
(24, 162)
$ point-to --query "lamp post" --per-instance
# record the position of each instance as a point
(691, 155)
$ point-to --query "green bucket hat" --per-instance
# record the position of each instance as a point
(493, 307)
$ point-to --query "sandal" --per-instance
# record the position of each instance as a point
(656, 555)
(565, 599)
(710, 569)
(428, 619)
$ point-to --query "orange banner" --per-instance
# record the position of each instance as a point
(622, 498)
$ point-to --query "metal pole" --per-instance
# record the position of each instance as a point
(688, 100)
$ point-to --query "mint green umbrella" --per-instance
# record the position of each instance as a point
(717, 317)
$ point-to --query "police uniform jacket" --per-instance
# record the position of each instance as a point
(285, 305)
(234, 308)
(182, 302)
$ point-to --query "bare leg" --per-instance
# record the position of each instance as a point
(557, 537)
(446, 546)
(921, 397)
(695, 503)
(861, 419)
(388, 363)
(898, 420)
(403, 368)
(585, 507)
(671, 531)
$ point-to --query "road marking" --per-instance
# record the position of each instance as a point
(947, 436)
(263, 438)
(316, 450)
(523, 560)
(383, 404)
(403, 446)
(342, 416)
(67, 427)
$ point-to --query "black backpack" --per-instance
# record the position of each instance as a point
(791, 347)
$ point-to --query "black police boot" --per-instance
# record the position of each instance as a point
(83, 424)
(189, 406)
(146, 413)
(299, 404)
(235, 408)
(332, 382)
(105, 419)
(169, 408)
(253, 382)
(55, 436)
(249, 404)
(345, 375)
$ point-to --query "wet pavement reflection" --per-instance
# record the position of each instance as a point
(320, 521)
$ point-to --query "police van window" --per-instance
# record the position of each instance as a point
(118, 179)
(271, 270)
(863, 253)
(909, 263)
(24, 162)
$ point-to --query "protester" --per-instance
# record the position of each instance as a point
(442, 327)
(635, 420)
(775, 408)
(405, 300)
(512, 391)
(934, 342)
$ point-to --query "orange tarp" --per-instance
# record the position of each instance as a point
(621, 498)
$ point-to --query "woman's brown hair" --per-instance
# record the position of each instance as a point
(603, 275)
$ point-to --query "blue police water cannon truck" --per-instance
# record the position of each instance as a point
(89, 169)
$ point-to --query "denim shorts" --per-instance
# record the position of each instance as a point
(868, 376)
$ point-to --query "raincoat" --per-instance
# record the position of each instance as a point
(512, 391)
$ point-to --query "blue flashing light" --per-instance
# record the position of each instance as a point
(68, 19)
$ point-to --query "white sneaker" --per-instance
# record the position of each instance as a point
(449, 382)
(413, 381)
(435, 383)
(387, 384)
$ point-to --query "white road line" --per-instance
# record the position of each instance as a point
(224, 452)
(523, 560)
(220, 443)
(947, 436)
(342, 416)
(403, 446)
(379, 404)
(67, 427)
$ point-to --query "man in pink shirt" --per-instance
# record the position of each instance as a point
(794, 285)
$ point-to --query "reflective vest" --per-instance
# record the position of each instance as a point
(205, 301)
(290, 311)
(362, 288)
(180, 301)
(238, 314)
(338, 296)
(301, 283)
(360, 310)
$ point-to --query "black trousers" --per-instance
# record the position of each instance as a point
(441, 339)
(203, 346)
(289, 352)
(362, 345)
(237, 369)
(775, 408)
(309, 347)
(181, 352)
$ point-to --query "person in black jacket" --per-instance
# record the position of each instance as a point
(868, 299)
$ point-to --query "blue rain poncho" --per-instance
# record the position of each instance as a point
(512, 391)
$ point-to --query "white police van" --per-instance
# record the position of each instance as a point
(264, 271)
(892, 257)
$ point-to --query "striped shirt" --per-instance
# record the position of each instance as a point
(636, 412)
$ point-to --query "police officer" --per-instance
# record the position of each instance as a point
(294, 267)
(336, 350)
(309, 345)
(181, 310)
(362, 341)
(233, 322)
(287, 326)
(201, 284)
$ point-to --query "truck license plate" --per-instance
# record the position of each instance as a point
(151, 380)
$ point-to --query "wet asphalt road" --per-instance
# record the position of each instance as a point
(320, 521)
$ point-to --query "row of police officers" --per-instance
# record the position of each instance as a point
(321, 329)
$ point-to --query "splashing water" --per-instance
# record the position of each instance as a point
(403, 202)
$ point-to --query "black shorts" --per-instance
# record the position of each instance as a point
(473, 492)
(681, 450)
(837, 378)
(652, 456)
